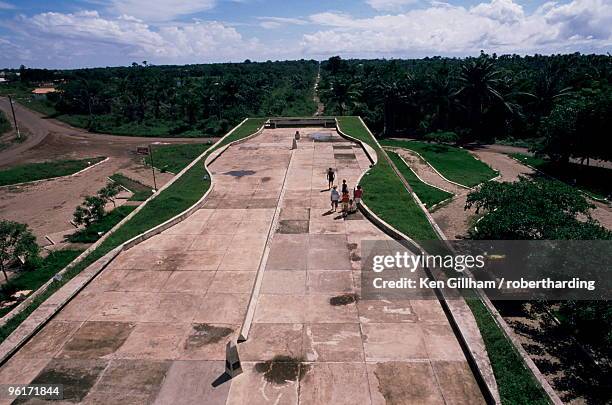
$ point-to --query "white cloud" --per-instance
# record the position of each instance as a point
(160, 10)
(498, 26)
(278, 22)
(389, 5)
(6, 6)
(87, 34)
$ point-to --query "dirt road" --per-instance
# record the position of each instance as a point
(47, 206)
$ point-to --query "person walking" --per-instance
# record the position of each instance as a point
(335, 197)
(344, 187)
(357, 195)
(331, 176)
(345, 203)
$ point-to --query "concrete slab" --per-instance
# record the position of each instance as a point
(335, 383)
(253, 388)
(154, 341)
(333, 342)
(403, 383)
(206, 341)
(267, 341)
(387, 341)
(189, 382)
(222, 308)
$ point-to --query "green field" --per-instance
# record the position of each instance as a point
(33, 279)
(97, 229)
(454, 163)
(44, 170)
(140, 191)
(179, 196)
(174, 158)
(427, 194)
(592, 180)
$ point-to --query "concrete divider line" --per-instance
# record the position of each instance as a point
(26, 330)
(254, 298)
(30, 183)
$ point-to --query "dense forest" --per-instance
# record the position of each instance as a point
(563, 101)
(191, 100)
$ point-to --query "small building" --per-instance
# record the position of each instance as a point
(40, 93)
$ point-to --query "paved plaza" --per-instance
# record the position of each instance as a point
(153, 326)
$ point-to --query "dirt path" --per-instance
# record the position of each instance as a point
(47, 207)
(452, 218)
(152, 328)
(426, 173)
(317, 98)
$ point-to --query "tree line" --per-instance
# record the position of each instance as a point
(191, 100)
(562, 101)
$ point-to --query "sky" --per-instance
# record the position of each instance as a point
(88, 33)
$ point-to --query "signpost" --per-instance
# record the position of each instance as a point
(14, 118)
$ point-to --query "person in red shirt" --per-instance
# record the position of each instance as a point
(345, 203)
(357, 195)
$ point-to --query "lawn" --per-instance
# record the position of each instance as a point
(32, 280)
(44, 170)
(592, 180)
(454, 163)
(174, 158)
(95, 231)
(140, 191)
(428, 195)
(179, 196)
(382, 191)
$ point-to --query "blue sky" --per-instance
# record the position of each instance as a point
(64, 34)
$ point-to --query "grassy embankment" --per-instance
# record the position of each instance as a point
(516, 383)
(140, 191)
(592, 180)
(97, 229)
(44, 170)
(454, 163)
(32, 280)
(179, 196)
(428, 195)
(173, 158)
(384, 192)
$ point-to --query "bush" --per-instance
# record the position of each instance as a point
(442, 137)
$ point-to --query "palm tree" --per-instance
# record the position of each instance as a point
(479, 81)
(342, 94)
(392, 93)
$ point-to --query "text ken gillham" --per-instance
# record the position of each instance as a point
(412, 262)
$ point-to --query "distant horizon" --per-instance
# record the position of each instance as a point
(150, 63)
(72, 34)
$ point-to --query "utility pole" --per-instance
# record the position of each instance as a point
(152, 167)
(14, 118)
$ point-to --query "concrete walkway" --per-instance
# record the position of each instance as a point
(152, 327)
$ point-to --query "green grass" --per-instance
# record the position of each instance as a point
(174, 158)
(179, 196)
(427, 194)
(592, 180)
(140, 191)
(384, 192)
(44, 170)
(516, 383)
(454, 163)
(95, 231)
(32, 280)
(5, 125)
